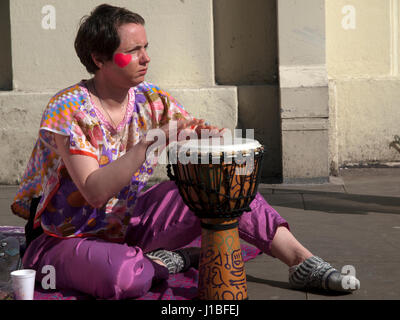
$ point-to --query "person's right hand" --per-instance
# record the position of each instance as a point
(170, 132)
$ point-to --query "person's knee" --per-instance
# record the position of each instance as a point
(121, 272)
(133, 279)
(126, 278)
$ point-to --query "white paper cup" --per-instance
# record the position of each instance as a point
(23, 283)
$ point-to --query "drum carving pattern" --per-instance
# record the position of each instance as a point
(221, 274)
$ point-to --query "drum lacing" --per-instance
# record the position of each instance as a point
(217, 177)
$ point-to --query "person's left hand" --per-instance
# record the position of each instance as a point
(204, 129)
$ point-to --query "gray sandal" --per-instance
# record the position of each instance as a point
(315, 273)
(177, 261)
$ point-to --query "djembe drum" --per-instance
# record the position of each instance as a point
(218, 182)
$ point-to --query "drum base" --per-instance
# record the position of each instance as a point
(221, 269)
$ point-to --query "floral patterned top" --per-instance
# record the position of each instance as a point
(63, 212)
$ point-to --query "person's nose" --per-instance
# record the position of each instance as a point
(145, 59)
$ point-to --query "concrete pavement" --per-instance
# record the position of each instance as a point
(353, 220)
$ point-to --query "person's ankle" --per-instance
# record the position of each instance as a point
(300, 258)
(159, 262)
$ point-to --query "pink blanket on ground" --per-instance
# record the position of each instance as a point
(182, 286)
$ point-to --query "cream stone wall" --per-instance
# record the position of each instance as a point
(38, 59)
(180, 34)
(363, 71)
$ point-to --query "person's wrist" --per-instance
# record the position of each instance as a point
(144, 146)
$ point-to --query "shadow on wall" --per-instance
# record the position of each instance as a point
(5, 47)
(246, 56)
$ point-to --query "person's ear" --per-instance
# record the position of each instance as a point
(97, 60)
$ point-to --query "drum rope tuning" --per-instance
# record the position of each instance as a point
(212, 181)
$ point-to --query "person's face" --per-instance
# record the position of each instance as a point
(130, 61)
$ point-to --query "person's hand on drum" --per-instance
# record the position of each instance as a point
(193, 128)
(182, 129)
(205, 130)
(170, 132)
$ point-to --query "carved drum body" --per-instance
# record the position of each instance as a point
(218, 182)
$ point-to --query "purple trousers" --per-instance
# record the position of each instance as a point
(119, 271)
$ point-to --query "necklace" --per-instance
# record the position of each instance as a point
(102, 107)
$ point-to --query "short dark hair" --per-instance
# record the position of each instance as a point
(98, 33)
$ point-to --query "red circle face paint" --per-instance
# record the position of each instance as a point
(122, 60)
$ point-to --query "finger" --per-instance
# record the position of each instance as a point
(199, 120)
(223, 131)
(215, 132)
(200, 128)
(193, 124)
(183, 123)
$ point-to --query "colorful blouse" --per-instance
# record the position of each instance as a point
(63, 212)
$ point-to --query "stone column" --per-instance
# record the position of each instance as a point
(304, 91)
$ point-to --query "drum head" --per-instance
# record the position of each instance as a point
(218, 146)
